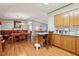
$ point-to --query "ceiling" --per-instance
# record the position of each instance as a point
(28, 11)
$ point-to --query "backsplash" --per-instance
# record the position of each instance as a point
(68, 30)
(74, 28)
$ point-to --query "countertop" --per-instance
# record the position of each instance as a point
(67, 34)
(42, 33)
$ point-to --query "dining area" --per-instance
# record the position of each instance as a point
(12, 36)
(19, 35)
(16, 31)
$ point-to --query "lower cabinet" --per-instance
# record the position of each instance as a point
(69, 42)
(62, 42)
(66, 42)
(56, 40)
(77, 47)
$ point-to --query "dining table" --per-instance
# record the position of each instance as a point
(22, 34)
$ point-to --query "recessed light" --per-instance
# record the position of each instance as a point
(45, 3)
(29, 22)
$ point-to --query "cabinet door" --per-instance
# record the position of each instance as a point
(71, 18)
(76, 18)
(66, 19)
(73, 43)
(77, 46)
(57, 40)
(56, 20)
(59, 20)
(62, 40)
(69, 43)
(52, 38)
(65, 42)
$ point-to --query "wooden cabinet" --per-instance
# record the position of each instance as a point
(76, 17)
(62, 44)
(50, 38)
(66, 19)
(77, 45)
(65, 42)
(71, 18)
(56, 40)
(69, 43)
(58, 20)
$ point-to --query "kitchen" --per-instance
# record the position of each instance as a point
(66, 28)
(30, 31)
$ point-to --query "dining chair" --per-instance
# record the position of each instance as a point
(2, 43)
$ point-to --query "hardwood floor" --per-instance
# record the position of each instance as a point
(24, 48)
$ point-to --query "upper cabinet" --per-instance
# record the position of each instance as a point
(76, 17)
(66, 19)
(58, 20)
(70, 18)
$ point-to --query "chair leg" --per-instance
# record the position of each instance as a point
(3, 46)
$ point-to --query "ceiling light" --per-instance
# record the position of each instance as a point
(22, 24)
(29, 23)
(37, 28)
(45, 3)
(17, 15)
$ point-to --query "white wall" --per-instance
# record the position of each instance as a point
(35, 24)
(39, 25)
(7, 25)
(51, 23)
(51, 15)
(25, 27)
(0, 27)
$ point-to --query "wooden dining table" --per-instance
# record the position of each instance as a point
(19, 35)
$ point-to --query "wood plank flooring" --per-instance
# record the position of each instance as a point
(25, 48)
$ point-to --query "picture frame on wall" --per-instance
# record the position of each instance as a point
(17, 24)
